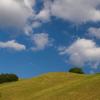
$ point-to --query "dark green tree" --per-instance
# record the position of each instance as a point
(8, 78)
(76, 70)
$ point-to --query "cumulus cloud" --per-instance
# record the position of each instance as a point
(82, 51)
(41, 41)
(44, 14)
(94, 32)
(15, 12)
(12, 45)
(79, 11)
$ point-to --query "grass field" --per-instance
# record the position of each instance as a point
(53, 86)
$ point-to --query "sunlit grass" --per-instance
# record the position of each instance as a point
(53, 86)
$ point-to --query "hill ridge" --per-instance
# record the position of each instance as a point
(55, 86)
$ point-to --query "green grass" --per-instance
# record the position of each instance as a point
(53, 86)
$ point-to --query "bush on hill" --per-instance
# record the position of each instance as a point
(8, 78)
(76, 70)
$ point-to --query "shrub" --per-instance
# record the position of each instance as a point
(76, 70)
(8, 78)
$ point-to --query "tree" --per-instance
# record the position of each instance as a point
(8, 78)
(76, 70)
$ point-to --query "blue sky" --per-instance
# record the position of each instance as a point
(40, 36)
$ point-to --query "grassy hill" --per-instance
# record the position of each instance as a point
(53, 86)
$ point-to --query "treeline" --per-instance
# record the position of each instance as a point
(8, 78)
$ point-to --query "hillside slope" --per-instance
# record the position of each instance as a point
(53, 86)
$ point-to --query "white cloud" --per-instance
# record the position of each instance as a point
(36, 24)
(43, 15)
(77, 11)
(83, 51)
(12, 45)
(94, 32)
(41, 41)
(15, 12)
(28, 30)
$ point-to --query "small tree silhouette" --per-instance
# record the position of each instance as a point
(76, 70)
(8, 78)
